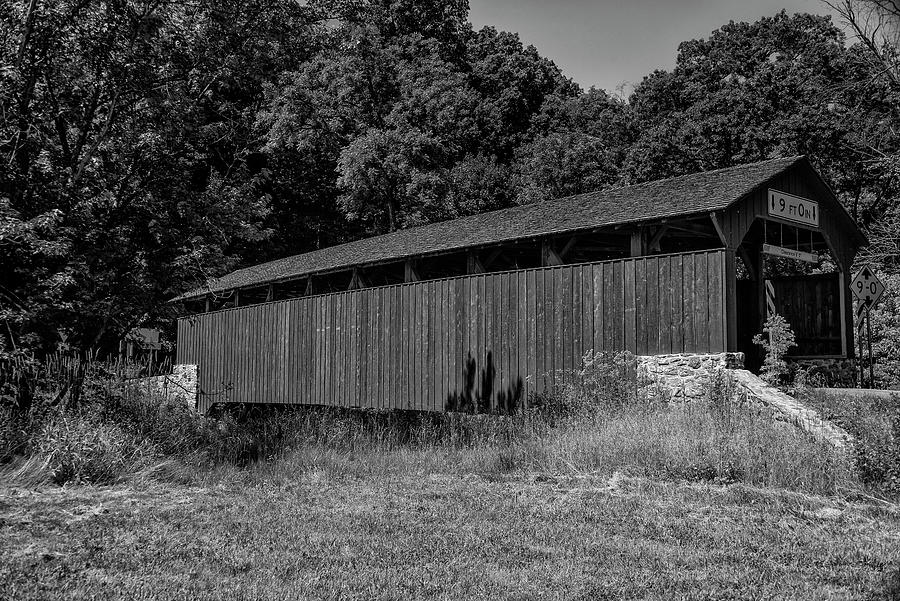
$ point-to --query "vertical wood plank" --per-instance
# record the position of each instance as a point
(531, 331)
(587, 309)
(577, 318)
(716, 309)
(540, 345)
(521, 371)
(660, 307)
(677, 315)
(628, 293)
(701, 303)
(598, 334)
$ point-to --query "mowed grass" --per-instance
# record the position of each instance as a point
(414, 536)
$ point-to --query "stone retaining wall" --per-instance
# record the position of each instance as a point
(690, 377)
(685, 376)
(179, 386)
(781, 407)
(828, 372)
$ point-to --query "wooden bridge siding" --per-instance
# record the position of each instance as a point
(408, 346)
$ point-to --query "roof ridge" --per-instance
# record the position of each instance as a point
(791, 159)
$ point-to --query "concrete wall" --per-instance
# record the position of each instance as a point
(179, 386)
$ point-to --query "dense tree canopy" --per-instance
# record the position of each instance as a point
(149, 145)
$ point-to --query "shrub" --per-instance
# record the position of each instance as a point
(779, 340)
(606, 383)
(886, 333)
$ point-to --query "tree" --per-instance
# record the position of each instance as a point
(874, 88)
(748, 93)
(876, 26)
(777, 339)
(406, 125)
(129, 176)
(579, 145)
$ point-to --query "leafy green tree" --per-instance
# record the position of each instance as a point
(479, 183)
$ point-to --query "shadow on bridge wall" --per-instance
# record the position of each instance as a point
(472, 400)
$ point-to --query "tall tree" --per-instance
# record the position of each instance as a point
(127, 171)
(408, 115)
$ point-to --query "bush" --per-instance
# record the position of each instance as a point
(779, 339)
(597, 419)
(886, 333)
(606, 383)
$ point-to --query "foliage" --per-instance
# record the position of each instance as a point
(777, 339)
(886, 333)
(597, 418)
(81, 449)
(126, 143)
(874, 420)
(150, 146)
(605, 384)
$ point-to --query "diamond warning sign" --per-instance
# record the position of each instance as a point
(866, 287)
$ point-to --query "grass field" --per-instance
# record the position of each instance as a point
(444, 537)
(599, 493)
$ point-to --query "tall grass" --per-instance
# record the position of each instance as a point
(875, 422)
(596, 420)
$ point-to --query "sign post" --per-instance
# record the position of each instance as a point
(858, 323)
(867, 289)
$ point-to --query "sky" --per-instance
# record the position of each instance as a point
(613, 43)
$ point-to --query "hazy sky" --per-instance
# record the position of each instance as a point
(610, 42)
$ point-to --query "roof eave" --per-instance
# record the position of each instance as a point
(198, 294)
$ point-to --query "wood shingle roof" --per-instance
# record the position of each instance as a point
(686, 195)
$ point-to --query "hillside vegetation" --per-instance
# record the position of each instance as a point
(596, 491)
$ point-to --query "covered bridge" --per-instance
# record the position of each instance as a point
(484, 309)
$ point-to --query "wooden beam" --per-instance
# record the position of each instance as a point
(842, 287)
(492, 257)
(410, 273)
(270, 293)
(473, 263)
(549, 256)
(568, 247)
(653, 246)
(309, 287)
(719, 229)
(691, 226)
(237, 297)
(358, 280)
(208, 304)
(638, 242)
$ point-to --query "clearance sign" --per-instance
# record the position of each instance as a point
(793, 208)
